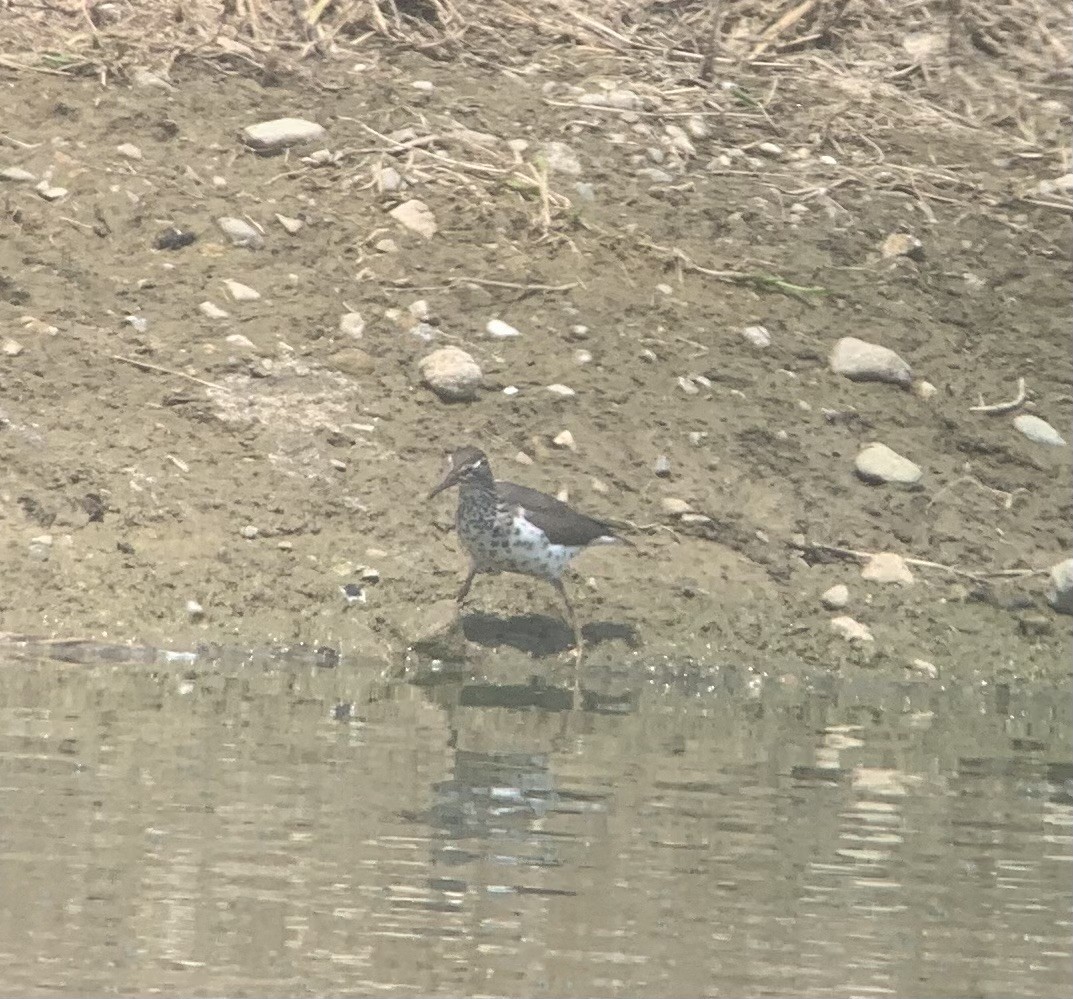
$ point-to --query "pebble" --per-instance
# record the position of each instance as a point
(769, 148)
(420, 310)
(861, 361)
(565, 439)
(902, 244)
(836, 597)
(241, 292)
(662, 467)
(50, 193)
(356, 363)
(1060, 591)
(17, 174)
(1038, 430)
(582, 357)
(451, 373)
(240, 232)
(338, 464)
(293, 226)
(417, 216)
(352, 324)
(579, 332)
(386, 245)
(924, 390)
(687, 385)
(11, 348)
(129, 150)
(674, 507)
(562, 159)
(877, 463)
(521, 458)
(599, 486)
(758, 336)
(850, 630)
(925, 668)
(41, 547)
(427, 85)
(511, 390)
(697, 127)
(563, 391)
(238, 340)
(194, 609)
(212, 310)
(139, 323)
(281, 133)
(887, 567)
(249, 532)
(500, 330)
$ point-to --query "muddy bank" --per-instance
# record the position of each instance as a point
(230, 496)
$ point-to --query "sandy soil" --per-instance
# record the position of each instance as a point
(327, 445)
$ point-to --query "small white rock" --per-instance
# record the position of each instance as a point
(451, 373)
(861, 361)
(522, 458)
(687, 385)
(240, 341)
(50, 193)
(240, 232)
(1060, 591)
(563, 391)
(270, 136)
(352, 324)
(562, 159)
(770, 149)
(511, 390)
(426, 85)
(924, 390)
(887, 567)
(416, 216)
(1038, 430)
(212, 310)
(500, 330)
(11, 348)
(241, 292)
(902, 244)
(17, 174)
(758, 336)
(129, 150)
(194, 609)
(582, 357)
(249, 532)
(850, 630)
(565, 439)
(293, 226)
(836, 597)
(877, 463)
(139, 323)
(674, 507)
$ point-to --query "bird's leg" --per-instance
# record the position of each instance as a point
(579, 642)
(466, 584)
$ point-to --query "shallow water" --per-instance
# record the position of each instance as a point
(264, 829)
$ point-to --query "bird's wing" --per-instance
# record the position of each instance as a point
(562, 524)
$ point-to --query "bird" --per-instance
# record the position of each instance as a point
(505, 527)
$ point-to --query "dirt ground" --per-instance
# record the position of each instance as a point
(147, 483)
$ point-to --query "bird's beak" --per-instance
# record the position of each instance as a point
(450, 479)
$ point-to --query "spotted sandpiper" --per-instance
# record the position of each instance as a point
(510, 528)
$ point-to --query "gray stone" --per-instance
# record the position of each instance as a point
(417, 216)
(451, 373)
(877, 463)
(850, 630)
(282, 133)
(836, 597)
(240, 232)
(1060, 591)
(887, 567)
(352, 324)
(1038, 430)
(758, 336)
(16, 174)
(861, 361)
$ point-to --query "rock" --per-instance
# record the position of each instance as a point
(562, 159)
(1060, 592)
(241, 292)
(674, 507)
(50, 193)
(924, 390)
(901, 244)
(194, 609)
(887, 567)
(420, 310)
(877, 463)
(426, 85)
(434, 630)
(17, 174)
(41, 547)
(174, 238)
(585, 191)
(687, 385)
(129, 150)
(599, 486)
(212, 310)
(836, 597)
(662, 467)
(351, 324)
(565, 439)
(240, 232)
(925, 668)
(582, 357)
(758, 336)
(417, 216)
(451, 373)
(352, 361)
(500, 330)
(249, 532)
(523, 459)
(389, 180)
(861, 361)
(11, 348)
(282, 133)
(1038, 430)
(563, 391)
(850, 630)
(772, 149)
(291, 225)
(386, 245)
(511, 390)
(239, 341)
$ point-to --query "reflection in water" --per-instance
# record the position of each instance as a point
(263, 828)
